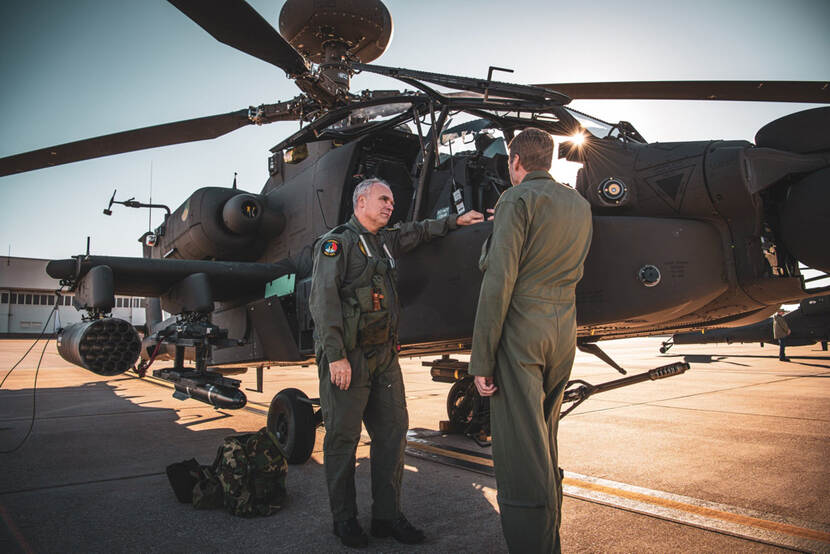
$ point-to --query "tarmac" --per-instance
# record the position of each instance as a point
(731, 456)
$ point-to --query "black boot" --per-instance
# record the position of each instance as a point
(351, 533)
(401, 530)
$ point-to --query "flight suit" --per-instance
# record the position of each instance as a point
(354, 304)
(525, 337)
(780, 332)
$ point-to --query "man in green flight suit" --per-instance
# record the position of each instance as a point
(524, 338)
(354, 303)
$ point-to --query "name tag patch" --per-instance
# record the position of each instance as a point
(331, 247)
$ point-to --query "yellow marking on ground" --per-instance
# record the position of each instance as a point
(730, 517)
(704, 511)
(451, 454)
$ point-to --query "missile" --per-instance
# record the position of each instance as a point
(220, 396)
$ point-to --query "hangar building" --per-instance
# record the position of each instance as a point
(27, 296)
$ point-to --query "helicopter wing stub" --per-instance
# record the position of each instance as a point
(189, 130)
(237, 24)
(155, 277)
(748, 91)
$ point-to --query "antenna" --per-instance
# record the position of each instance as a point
(150, 222)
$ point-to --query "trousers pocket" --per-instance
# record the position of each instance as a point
(374, 328)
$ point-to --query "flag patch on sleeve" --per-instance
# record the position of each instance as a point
(331, 247)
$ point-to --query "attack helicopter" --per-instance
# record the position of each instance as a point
(686, 234)
(809, 324)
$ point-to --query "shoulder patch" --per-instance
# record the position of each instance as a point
(331, 247)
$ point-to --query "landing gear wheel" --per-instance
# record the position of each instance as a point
(291, 419)
(461, 401)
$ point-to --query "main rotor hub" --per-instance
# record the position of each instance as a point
(361, 29)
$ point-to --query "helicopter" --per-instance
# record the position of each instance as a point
(686, 234)
(809, 324)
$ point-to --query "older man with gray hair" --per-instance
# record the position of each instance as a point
(354, 303)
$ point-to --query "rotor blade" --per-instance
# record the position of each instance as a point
(758, 91)
(483, 86)
(237, 24)
(127, 141)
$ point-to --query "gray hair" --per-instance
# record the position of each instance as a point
(363, 187)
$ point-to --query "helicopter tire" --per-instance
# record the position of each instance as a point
(461, 401)
(291, 419)
(803, 132)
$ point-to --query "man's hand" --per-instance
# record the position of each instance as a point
(491, 213)
(341, 373)
(485, 386)
(469, 218)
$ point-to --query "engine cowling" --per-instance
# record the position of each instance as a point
(220, 223)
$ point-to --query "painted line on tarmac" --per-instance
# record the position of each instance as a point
(731, 520)
(711, 516)
(14, 531)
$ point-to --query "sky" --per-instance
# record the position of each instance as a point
(79, 69)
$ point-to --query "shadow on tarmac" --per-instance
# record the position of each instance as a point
(91, 478)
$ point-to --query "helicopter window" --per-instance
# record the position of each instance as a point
(603, 129)
(472, 138)
(4, 298)
(376, 114)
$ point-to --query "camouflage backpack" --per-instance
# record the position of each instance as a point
(247, 477)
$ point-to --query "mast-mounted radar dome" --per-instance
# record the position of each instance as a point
(321, 29)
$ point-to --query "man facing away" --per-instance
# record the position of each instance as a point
(524, 339)
(354, 303)
(780, 332)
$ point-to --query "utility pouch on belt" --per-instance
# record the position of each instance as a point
(373, 328)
